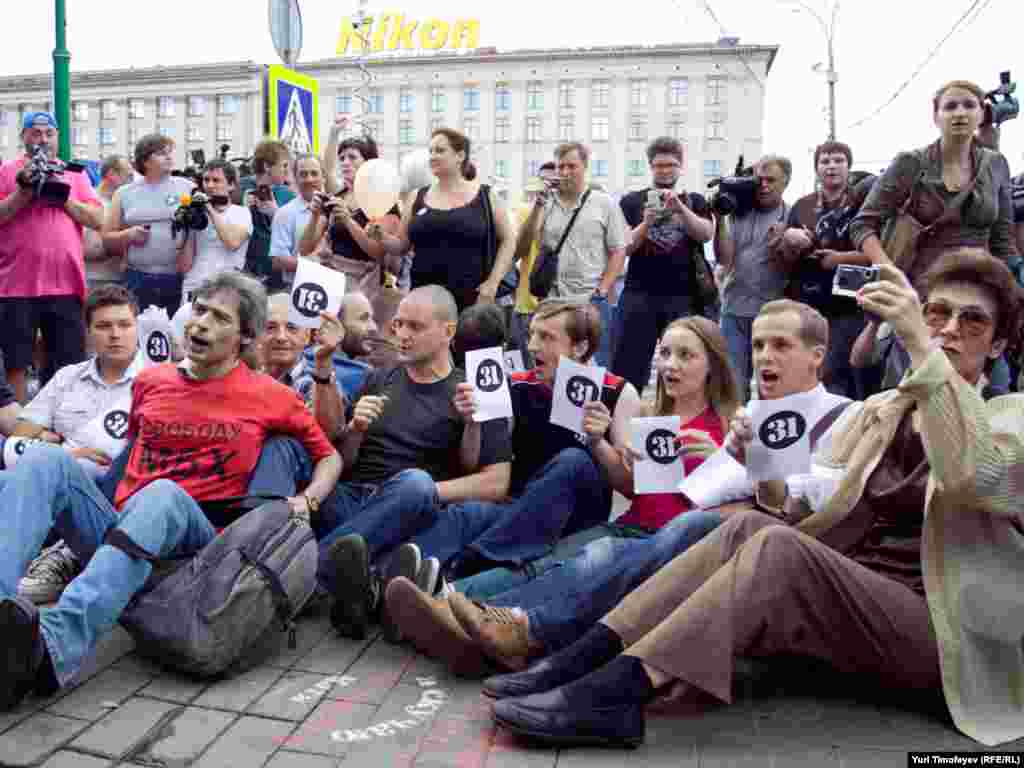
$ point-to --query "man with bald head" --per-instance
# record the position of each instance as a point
(410, 446)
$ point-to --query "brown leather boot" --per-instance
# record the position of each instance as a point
(430, 626)
(503, 634)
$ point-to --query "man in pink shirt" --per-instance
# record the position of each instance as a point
(42, 269)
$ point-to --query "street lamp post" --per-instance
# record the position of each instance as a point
(62, 82)
(831, 76)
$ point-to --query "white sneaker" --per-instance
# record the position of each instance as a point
(49, 573)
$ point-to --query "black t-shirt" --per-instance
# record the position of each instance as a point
(420, 428)
(830, 228)
(663, 264)
(6, 393)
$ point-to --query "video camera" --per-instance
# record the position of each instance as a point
(44, 176)
(192, 215)
(1001, 105)
(736, 193)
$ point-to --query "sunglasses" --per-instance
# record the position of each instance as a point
(972, 320)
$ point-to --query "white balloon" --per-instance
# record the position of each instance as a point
(416, 171)
(376, 187)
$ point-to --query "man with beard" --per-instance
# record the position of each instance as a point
(661, 279)
(358, 335)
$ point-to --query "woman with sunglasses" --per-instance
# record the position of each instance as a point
(905, 571)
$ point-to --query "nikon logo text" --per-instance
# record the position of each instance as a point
(391, 31)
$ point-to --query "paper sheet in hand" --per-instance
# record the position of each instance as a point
(316, 289)
(661, 467)
(485, 370)
(719, 470)
(155, 335)
(575, 385)
(108, 432)
(782, 440)
(15, 447)
(514, 361)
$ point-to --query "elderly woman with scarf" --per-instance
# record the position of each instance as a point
(906, 567)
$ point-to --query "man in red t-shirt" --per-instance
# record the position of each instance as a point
(197, 430)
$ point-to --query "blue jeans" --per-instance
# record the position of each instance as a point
(604, 348)
(566, 495)
(48, 489)
(738, 332)
(283, 468)
(156, 290)
(642, 318)
(568, 600)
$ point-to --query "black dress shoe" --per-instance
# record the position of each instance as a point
(563, 720)
(22, 651)
(356, 588)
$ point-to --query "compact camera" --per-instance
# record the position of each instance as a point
(656, 200)
(850, 278)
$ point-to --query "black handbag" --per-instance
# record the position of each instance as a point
(545, 270)
(510, 281)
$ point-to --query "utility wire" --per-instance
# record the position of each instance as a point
(931, 55)
(725, 33)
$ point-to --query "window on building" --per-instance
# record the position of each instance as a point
(678, 92)
(134, 134)
(502, 129)
(638, 129)
(471, 127)
(406, 100)
(374, 102)
(79, 136)
(343, 102)
(471, 99)
(716, 91)
(229, 104)
(712, 169)
(165, 106)
(80, 110)
(599, 129)
(600, 168)
(533, 168)
(194, 133)
(676, 128)
(635, 167)
(599, 91)
(566, 128)
(105, 136)
(225, 131)
(535, 95)
(108, 109)
(566, 94)
(4, 117)
(4, 140)
(136, 109)
(533, 129)
(166, 130)
(638, 91)
(501, 169)
(502, 99)
(436, 122)
(196, 106)
(438, 99)
(372, 127)
(716, 126)
(406, 134)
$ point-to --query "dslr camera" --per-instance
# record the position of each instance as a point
(850, 278)
(1000, 103)
(192, 215)
(327, 203)
(43, 176)
(736, 193)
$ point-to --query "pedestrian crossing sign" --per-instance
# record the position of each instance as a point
(292, 109)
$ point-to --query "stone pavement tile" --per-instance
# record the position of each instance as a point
(398, 729)
(746, 756)
(907, 729)
(664, 745)
(184, 738)
(308, 634)
(175, 687)
(332, 656)
(35, 738)
(111, 648)
(300, 760)
(859, 757)
(726, 724)
(65, 759)
(509, 752)
(26, 709)
(292, 697)
(376, 672)
(125, 728)
(89, 700)
(818, 722)
(330, 728)
(248, 742)
(455, 741)
(237, 693)
(424, 666)
(464, 699)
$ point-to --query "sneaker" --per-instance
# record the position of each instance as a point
(406, 562)
(428, 575)
(49, 574)
(357, 589)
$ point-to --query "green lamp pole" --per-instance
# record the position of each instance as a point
(62, 82)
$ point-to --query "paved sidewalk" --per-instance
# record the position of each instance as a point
(335, 702)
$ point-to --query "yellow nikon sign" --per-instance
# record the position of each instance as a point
(391, 31)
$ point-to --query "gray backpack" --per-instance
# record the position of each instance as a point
(230, 605)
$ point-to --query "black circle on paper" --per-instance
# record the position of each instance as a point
(158, 347)
(782, 429)
(115, 424)
(309, 299)
(579, 390)
(661, 446)
(489, 375)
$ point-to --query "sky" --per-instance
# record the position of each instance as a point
(878, 44)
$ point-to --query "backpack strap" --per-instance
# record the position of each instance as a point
(825, 422)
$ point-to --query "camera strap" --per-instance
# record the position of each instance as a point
(568, 227)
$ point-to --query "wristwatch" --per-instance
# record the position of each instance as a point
(312, 502)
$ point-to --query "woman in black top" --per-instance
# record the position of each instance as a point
(448, 228)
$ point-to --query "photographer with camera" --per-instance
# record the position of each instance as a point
(291, 220)
(668, 233)
(143, 213)
(220, 245)
(750, 219)
(263, 194)
(43, 210)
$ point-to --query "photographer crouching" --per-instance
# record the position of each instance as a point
(215, 239)
(750, 219)
(44, 207)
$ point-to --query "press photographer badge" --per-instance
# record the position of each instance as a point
(575, 386)
(782, 441)
(316, 289)
(155, 335)
(485, 370)
(661, 467)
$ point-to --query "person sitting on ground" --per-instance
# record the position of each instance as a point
(65, 411)
(481, 326)
(358, 345)
(197, 431)
(905, 573)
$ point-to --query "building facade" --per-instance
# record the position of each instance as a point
(516, 106)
